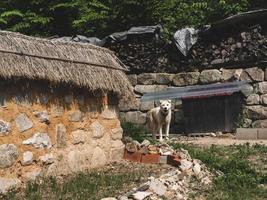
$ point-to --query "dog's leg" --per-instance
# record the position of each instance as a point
(160, 134)
(167, 131)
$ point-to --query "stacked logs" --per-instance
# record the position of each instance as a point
(143, 54)
(242, 48)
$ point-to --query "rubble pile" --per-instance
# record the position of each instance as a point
(249, 46)
(172, 185)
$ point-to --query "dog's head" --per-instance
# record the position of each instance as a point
(165, 105)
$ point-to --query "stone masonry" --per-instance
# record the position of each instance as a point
(255, 96)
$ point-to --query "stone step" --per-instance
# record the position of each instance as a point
(251, 134)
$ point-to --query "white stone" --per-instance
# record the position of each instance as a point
(109, 198)
(79, 137)
(99, 158)
(27, 158)
(141, 195)
(42, 116)
(109, 114)
(116, 133)
(185, 165)
(47, 159)
(39, 140)
(8, 155)
(97, 130)
(23, 123)
(157, 187)
(253, 99)
(5, 128)
(197, 169)
(7, 184)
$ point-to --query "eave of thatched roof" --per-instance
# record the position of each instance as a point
(79, 64)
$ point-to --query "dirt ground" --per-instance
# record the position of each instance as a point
(224, 141)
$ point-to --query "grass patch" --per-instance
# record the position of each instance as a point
(240, 180)
(93, 186)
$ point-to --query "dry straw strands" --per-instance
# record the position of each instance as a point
(83, 65)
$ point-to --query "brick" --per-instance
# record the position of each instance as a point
(174, 160)
(150, 158)
(134, 157)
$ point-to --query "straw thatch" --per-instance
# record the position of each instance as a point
(78, 64)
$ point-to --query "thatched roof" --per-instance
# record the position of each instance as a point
(78, 64)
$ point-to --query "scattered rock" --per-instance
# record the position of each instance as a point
(141, 195)
(109, 198)
(27, 158)
(33, 175)
(185, 165)
(157, 187)
(47, 159)
(39, 140)
(23, 123)
(42, 116)
(5, 128)
(97, 130)
(197, 169)
(7, 184)
(8, 155)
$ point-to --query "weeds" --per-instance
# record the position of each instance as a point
(240, 181)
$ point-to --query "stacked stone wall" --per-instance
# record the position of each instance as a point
(48, 131)
(255, 96)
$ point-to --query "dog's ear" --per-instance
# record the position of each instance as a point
(160, 101)
(169, 101)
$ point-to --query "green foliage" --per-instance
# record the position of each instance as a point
(102, 17)
(239, 180)
(93, 186)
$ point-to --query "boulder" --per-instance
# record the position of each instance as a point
(185, 165)
(116, 133)
(39, 140)
(164, 78)
(7, 184)
(97, 130)
(76, 116)
(185, 78)
(255, 73)
(99, 158)
(61, 135)
(5, 128)
(253, 99)
(79, 137)
(259, 124)
(255, 112)
(146, 79)
(210, 76)
(23, 123)
(143, 89)
(157, 187)
(109, 114)
(264, 99)
(247, 90)
(79, 160)
(8, 155)
(261, 87)
(27, 158)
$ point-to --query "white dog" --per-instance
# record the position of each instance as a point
(159, 116)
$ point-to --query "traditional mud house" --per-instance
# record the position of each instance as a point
(58, 109)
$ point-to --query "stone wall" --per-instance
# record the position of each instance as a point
(55, 131)
(255, 97)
